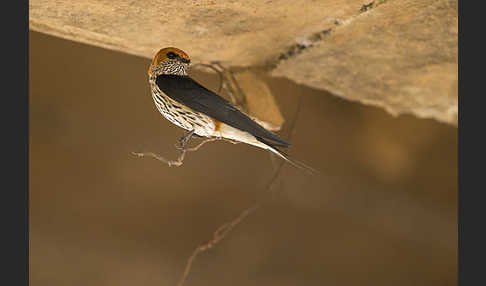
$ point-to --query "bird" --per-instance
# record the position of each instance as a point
(191, 106)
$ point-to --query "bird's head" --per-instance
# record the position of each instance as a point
(169, 61)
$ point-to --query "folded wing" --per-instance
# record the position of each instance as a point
(185, 90)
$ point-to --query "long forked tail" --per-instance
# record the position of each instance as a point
(231, 133)
(292, 161)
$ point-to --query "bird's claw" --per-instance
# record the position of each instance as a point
(183, 140)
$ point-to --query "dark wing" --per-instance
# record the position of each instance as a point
(185, 90)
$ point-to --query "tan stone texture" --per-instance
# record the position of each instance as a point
(400, 54)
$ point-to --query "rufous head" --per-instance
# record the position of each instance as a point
(169, 54)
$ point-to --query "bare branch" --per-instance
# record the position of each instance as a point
(183, 148)
(215, 67)
(228, 83)
(226, 228)
(171, 163)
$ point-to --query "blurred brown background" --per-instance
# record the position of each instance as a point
(383, 213)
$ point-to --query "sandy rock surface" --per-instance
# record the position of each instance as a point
(401, 55)
(397, 54)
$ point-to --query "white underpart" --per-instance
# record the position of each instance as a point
(232, 133)
(229, 132)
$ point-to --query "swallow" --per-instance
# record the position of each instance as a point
(200, 111)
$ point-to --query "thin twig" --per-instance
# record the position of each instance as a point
(180, 160)
(226, 228)
(171, 163)
(217, 68)
(241, 100)
(227, 82)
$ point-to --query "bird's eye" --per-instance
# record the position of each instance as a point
(171, 55)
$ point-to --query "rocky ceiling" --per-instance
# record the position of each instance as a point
(400, 55)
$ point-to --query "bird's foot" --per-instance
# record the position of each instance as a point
(184, 139)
